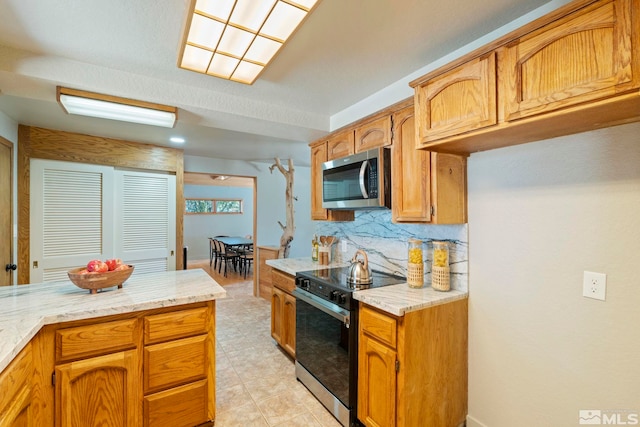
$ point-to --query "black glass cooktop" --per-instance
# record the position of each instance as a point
(337, 277)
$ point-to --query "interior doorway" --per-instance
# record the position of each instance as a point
(6, 213)
(209, 189)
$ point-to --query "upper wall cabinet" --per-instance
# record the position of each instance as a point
(340, 145)
(462, 100)
(574, 70)
(584, 56)
(376, 133)
(318, 157)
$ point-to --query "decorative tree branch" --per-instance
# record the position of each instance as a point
(288, 230)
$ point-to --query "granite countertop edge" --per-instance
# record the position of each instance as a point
(28, 308)
(294, 265)
(401, 299)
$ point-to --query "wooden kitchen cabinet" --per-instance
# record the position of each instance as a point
(584, 56)
(283, 312)
(340, 145)
(101, 390)
(573, 70)
(16, 396)
(264, 271)
(179, 361)
(412, 369)
(318, 157)
(427, 187)
(373, 134)
(458, 101)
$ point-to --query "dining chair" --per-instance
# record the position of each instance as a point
(213, 253)
(246, 258)
(225, 255)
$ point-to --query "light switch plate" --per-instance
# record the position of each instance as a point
(594, 285)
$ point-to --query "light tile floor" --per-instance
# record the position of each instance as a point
(255, 380)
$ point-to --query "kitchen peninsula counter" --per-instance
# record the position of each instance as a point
(26, 309)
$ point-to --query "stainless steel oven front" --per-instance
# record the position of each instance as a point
(326, 354)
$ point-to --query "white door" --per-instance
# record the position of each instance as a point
(81, 212)
(69, 205)
(6, 238)
(145, 220)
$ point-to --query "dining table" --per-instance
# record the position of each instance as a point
(234, 241)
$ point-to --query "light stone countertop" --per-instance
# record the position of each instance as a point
(400, 299)
(25, 309)
(395, 299)
(293, 265)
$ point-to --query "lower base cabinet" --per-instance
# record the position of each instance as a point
(150, 368)
(16, 395)
(412, 370)
(283, 311)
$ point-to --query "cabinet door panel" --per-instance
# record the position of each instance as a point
(376, 383)
(586, 56)
(373, 134)
(99, 391)
(410, 172)
(459, 101)
(277, 303)
(18, 413)
(340, 145)
(318, 157)
(289, 323)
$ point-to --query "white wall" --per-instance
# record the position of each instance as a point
(539, 215)
(271, 198)
(198, 228)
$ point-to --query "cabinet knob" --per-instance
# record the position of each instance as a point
(10, 267)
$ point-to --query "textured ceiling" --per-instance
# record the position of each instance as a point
(345, 51)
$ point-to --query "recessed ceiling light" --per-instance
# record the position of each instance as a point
(177, 139)
(236, 39)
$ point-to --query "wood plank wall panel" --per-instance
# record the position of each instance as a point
(72, 147)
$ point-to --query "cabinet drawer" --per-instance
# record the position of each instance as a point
(283, 281)
(178, 407)
(93, 340)
(175, 362)
(179, 324)
(378, 325)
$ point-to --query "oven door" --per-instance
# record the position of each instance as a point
(326, 350)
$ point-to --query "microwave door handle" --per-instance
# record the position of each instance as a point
(363, 185)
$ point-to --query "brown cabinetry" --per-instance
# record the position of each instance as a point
(283, 312)
(16, 396)
(264, 271)
(373, 134)
(412, 370)
(459, 101)
(427, 187)
(340, 145)
(573, 70)
(318, 157)
(581, 57)
(179, 368)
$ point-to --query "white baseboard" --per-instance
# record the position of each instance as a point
(472, 422)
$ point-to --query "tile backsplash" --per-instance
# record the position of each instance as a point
(386, 243)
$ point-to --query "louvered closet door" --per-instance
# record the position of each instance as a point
(145, 216)
(69, 202)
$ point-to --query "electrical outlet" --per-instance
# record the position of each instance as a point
(594, 285)
(343, 248)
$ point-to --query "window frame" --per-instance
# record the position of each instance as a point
(214, 209)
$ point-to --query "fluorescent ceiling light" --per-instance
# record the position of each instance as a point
(236, 39)
(115, 108)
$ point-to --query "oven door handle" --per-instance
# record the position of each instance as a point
(331, 309)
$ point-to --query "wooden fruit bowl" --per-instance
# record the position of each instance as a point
(95, 281)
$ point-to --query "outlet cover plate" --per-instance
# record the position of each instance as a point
(594, 285)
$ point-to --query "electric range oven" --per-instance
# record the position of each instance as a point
(327, 337)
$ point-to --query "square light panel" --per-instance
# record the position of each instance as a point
(236, 39)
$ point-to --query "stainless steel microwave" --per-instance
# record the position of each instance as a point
(358, 181)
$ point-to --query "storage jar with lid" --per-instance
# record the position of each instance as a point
(415, 264)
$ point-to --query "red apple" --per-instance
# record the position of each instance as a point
(122, 267)
(113, 263)
(97, 266)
